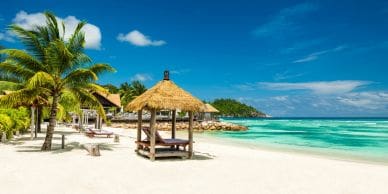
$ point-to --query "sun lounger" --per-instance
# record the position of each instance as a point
(91, 132)
(160, 141)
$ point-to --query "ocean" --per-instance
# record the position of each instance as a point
(360, 138)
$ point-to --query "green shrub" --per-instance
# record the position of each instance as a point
(13, 120)
(6, 125)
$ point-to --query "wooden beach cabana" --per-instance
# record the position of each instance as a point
(208, 112)
(165, 95)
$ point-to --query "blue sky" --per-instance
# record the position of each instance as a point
(287, 58)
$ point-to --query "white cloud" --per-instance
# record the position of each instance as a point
(141, 77)
(7, 36)
(286, 75)
(366, 100)
(315, 55)
(301, 45)
(138, 39)
(30, 21)
(323, 87)
(180, 71)
(280, 98)
(283, 21)
(306, 59)
(371, 103)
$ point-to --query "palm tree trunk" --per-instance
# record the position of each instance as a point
(39, 119)
(50, 129)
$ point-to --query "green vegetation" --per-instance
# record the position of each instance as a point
(51, 70)
(127, 91)
(12, 120)
(234, 108)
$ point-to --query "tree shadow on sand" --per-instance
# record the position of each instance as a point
(22, 140)
(56, 148)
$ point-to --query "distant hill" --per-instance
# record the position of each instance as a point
(234, 108)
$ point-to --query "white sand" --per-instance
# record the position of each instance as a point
(217, 168)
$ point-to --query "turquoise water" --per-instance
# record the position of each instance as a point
(361, 138)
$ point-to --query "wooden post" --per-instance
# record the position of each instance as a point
(116, 138)
(173, 124)
(139, 126)
(3, 137)
(153, 139)
(190, 134)
(100, 122)
(63, 142)
(87, 118)
(96, 123)
(80, 122)
(32, 126)
(93, 149)
(37, 122)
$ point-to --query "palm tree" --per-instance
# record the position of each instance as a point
(137, 88)
(125, 93)
(130, 91)
(52, 67)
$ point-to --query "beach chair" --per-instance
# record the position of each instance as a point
(160, 141)
(91, 133)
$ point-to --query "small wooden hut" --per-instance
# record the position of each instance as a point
(208, 112)
(107, 100)
(165, 95)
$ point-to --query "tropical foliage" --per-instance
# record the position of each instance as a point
(127, 91)
(12, 120)
(51, 69)
(234, 108)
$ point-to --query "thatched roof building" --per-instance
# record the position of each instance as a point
(108, 100)
(165, 95)
(210, 109)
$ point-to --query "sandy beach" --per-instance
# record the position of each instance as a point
(216, 168)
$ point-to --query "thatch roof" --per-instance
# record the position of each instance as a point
(210, 109)
(166, 95)
(114, 99)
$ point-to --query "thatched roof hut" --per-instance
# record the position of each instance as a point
(165, 95)
(210, 109)
(108, 100)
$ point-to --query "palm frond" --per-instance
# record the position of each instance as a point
(101, 68)
(23, 58)
(7, 85)
(11, 67)
(22, 97)
(96, 88)
(52, 25)
(80, 77)
(41, 79)
(59, 57)
(87, 99)
(30, 40)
